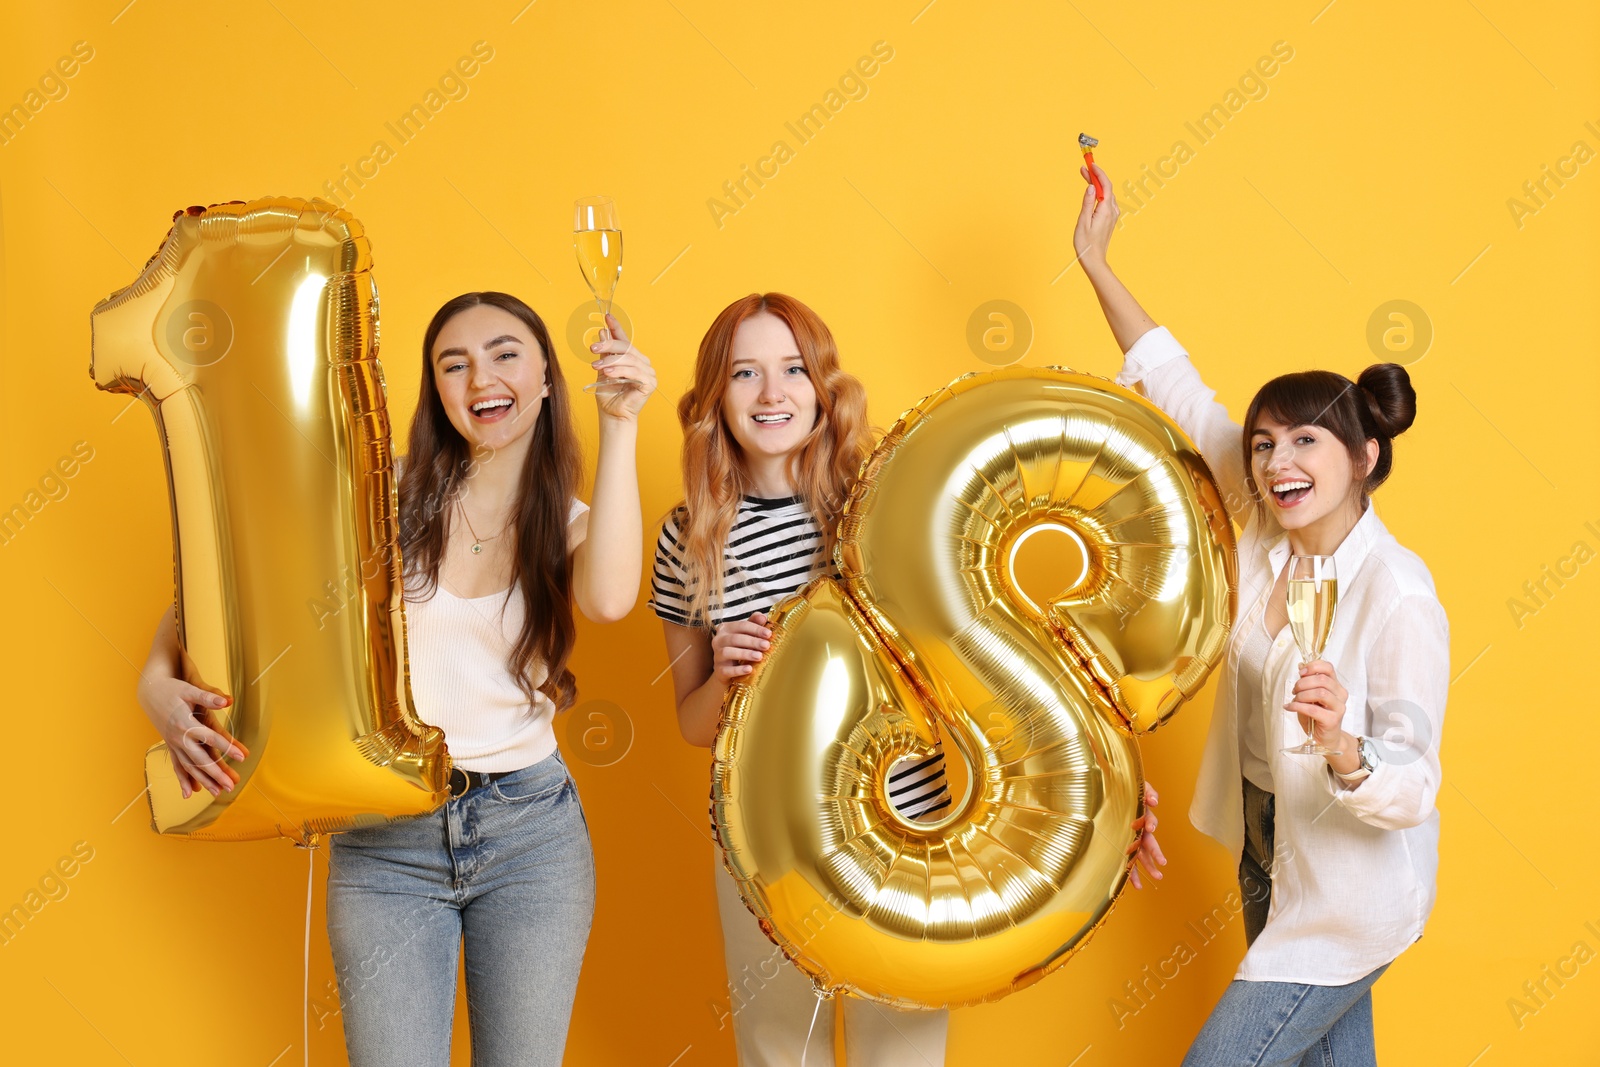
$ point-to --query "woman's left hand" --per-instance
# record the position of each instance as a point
(1320, 697)
(617, 358)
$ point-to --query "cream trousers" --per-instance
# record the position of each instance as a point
(772, 1005)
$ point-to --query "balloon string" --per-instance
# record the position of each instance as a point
(805, 1050)
(305, 987)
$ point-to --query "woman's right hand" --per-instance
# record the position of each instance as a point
(619, 359)
(1146, 851)
(1091, 237)
(736, 647)
(184, 711)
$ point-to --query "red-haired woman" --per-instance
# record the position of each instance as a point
(774, 432)
(497, 548)
(1337, 852)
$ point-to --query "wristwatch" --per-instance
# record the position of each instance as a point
(1368, 754)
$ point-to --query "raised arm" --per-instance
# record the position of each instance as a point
(607, 560)
(1091, 240)
(1153, 361)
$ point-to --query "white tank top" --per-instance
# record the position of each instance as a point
(457, 649)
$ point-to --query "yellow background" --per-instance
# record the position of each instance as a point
(1377, 167)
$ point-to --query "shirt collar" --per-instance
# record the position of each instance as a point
(1348, 556)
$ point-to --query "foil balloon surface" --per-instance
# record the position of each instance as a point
(252, 337)
(931, 638)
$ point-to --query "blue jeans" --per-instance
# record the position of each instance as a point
(507, 870)
(1281, 1024)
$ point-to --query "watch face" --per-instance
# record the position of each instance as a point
(1369, 754)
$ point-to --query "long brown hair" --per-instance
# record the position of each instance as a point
(1380, 405)
(437, 464)
(715, 478)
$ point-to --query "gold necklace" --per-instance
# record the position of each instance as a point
(477, 542)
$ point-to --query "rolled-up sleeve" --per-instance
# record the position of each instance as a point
(1408, 679)
(1159, 367)
(670, 595)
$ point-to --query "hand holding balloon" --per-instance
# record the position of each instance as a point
(280, 479)
(1148, 852)
(737, 647)
(183, 711)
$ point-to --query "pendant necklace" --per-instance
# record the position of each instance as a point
(477, 542)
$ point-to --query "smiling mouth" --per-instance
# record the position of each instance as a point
(492, 410)
(1288, 494)
(772, 419)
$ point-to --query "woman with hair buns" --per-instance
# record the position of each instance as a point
(1338, 852)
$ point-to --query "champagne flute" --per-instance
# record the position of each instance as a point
(1313, 596)
(597, 238)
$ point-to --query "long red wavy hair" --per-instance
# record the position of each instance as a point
(715, 479)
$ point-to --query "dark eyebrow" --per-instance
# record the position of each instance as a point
(1259, 432)
(503, 339)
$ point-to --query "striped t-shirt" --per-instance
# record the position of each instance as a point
(774, 548)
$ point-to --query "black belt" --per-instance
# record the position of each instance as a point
(461, 781)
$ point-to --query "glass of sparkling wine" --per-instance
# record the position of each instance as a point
(1313, 596)
(597, 238)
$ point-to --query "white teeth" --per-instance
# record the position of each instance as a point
(1289, 486)
(772, 418)
(485, 405)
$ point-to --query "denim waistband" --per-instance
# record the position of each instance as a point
(551, 766)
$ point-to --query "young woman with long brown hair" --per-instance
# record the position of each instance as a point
(497, 548)
(1337, 851)
(774, 433)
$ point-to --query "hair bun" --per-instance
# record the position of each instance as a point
(1390, 398)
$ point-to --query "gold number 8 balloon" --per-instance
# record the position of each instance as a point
(252, 336)
(930, 634)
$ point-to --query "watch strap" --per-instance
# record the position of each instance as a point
(1365, 752)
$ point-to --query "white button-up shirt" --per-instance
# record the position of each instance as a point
(1354, 868)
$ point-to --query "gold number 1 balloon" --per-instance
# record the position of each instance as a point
(930, 633)
(252, 336)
